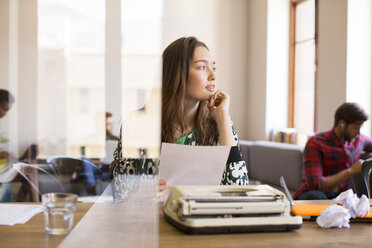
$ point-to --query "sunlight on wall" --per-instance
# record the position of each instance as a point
(358, 76)
(277, 65)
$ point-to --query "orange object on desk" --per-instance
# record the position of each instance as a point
(315, 210)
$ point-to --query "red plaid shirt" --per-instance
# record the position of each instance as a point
(324, 156)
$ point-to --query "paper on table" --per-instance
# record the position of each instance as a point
(334, 216)
(356, 206)
(11, 214)
(192, 165)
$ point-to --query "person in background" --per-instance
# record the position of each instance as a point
(110, 127)
(7, 172)
(101, 169)
(332, 157)
(6, 101)
(194, 112)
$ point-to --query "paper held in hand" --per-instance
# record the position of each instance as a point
(192, 165)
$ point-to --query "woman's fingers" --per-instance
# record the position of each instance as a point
(219, 98)
(212, 100)
(163, 185)
(216, 99)
(162, 181)
(162, 188)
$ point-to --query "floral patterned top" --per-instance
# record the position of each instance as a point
(235, 172)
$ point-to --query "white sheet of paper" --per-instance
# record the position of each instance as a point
(11, 214)
(192, 165)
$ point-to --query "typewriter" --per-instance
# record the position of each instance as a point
(229, 209)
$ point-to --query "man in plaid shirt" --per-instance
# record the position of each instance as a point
(332, 157)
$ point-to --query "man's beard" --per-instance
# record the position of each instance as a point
(347, 137)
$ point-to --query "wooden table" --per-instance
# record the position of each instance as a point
(32, 234)
(310, 235)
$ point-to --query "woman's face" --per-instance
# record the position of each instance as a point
(201, 82)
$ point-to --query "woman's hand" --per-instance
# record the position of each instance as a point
(219, 104)
(162, 188)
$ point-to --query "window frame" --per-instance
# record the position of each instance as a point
(292, 62)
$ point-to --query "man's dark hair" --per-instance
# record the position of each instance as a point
(108, 114)
(350, 113)
(6, 96)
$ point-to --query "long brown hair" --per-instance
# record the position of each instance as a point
(177, 58)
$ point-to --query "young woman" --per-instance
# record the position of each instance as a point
(194, 112)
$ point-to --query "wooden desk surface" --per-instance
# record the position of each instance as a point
(32, 234)
(310, 235)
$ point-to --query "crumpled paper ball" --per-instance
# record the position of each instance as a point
(362, 207)
(334, 216)
(339, 216)
(356, 206)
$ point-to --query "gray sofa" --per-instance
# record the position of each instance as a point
(267, 161)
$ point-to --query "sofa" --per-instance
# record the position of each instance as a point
(267, 161)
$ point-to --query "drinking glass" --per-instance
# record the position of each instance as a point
(58, 212)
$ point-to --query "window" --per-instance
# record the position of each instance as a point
(71, 74)
(302, 66)
(71, 45)
(141, 76)
(141, 50)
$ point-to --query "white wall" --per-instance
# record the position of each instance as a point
(13, 124)
(233, 58)
(359, 56)
(191, 18)
(256, 93)
(277, 72)
(27, 74)
(4, 43)
(331, 69)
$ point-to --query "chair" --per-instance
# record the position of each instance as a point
(366, 172)
(74, 175)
